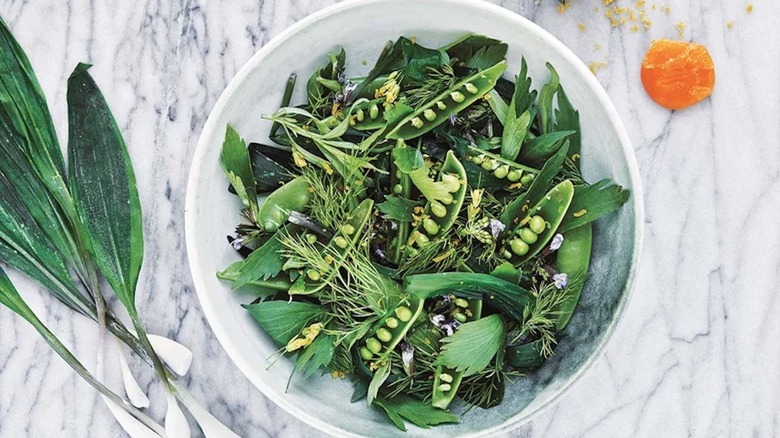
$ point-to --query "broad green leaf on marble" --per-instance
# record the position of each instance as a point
(104, 187)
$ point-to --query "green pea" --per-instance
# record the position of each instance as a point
(429, 115)
(313, 274)
(451, 182)
(501, 171)
(487, 164)
(444, 387)
(446, 199)
(340, 241)
(506, 254)
(431, 227)
(446, 378)
(391, 322)
(365, 353)
(478, 159)
(422, 240)
(495, 141)
(460, 317)
(384, 335)
(457, 96)
(528, 235)
(417, 122)
(398, 189)
(359, 115)
(471, 88)
(514, 175)
(441, 105)
(519, 247)
(403, 313)
(527, 178)
(374, 345)
(311, 238)
(373, 112)
(460, 302)
(348, 229)
(536, 224)
(438, 210)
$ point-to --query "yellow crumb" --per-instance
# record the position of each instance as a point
(634, 28)
(640, 3)
(730, 24)
(666, 9)
(680, 28)
(595, 9)
(596, 66)
(598, 47)
(652, 7)
(413, 39)
(749, 8)
(608, 2)
(582, 27)
(563, 6)
(646, 22)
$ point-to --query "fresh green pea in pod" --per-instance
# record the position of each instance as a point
(275, 210)
(528, 235)
(430, 226)
(536, 224)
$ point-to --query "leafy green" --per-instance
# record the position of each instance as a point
(471, 348)
(417, 412)
(380, 376)
(397, 208)
(390, 58)
(264, 262)
(590, 202)
(515, 130)
(546, 100)
(316, 89)
(410, 162)
(420, 60)
(318, 354)
(498, 106)
(477, 51)
(238, 168)
(268, 173)
(283, 320)
(104, 188)
(538, 149)
(507, 272)
(568, 119)
(523, 97)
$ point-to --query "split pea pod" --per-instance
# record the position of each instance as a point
(525, 357)
(370, 115)
(438, 217)
(525, 242)
(401, 185)
(345, 240)
(275, 210)
(573, 260)
(513, 173)
(390, 330)
(447, 380)
(438, 110)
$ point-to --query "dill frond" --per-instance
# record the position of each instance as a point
(437, 83)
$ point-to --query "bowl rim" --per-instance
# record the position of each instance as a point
(222, 333)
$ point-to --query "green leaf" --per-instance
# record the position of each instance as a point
(507, 272)
(515, 130)
(104, 187)
(317, 355)
(523, 97)
(546, 100)
(264, 262)
(473, 345)
(477, 51)
(389, 59)
(269, 174)
(419, 60)
(568, 119)
(397, 208)
(10, 297)
(237, 166)
(590, 202)
(417, 412)
(380, 375)
(283, 320)
(410, 162)
(539, 149)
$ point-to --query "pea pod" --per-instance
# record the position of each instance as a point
(525, 357)
(438, 218)
(573, 259)
(372, 115)
(513, 173)
(403, 183)
(447, 380)
(390, 330)
(292, 196)
(552, 208)
(341, 244)
(452, 101)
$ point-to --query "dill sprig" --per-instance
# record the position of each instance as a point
(438, 255)
(539, 319)
(438, 81)
(420, 383)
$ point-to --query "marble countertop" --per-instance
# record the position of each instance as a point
(698, 351)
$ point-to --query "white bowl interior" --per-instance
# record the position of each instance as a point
(362, 28)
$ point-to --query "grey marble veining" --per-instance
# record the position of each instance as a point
(697, 353)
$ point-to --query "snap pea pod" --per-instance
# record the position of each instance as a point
(516, 174)
(573, 259)
(345, 239)
(438, 218)
(439, 109)
(390, 330)
(539, 225)
(447, 380)
(401, 185)
(292, 196)
(525, 357)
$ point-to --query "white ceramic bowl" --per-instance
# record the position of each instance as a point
(362, 28)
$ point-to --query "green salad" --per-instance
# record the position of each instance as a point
(426, 231)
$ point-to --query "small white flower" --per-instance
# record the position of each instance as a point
(556, 242)
(496, 227)
(237, 244)
(438, 320)
(561, 280)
